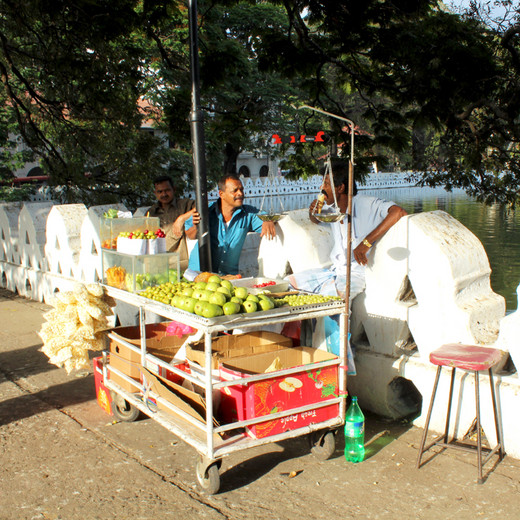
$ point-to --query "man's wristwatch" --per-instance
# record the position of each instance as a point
(366, 243)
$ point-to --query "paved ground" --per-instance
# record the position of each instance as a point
(62, 457)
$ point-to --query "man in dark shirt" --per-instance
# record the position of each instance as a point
(173, 213)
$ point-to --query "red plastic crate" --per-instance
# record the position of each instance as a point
(281, 392)
(102, 393)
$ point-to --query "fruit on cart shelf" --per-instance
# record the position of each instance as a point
(211, 310)
(143, 235)
(195, 298)
(212, 286)
(241, 292)
(265, 284)
(294, 300)
(266, 304)
(250, 306)
(231, 308)
(111, 213)
(218, 298)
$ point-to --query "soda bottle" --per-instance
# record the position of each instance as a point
(354, 433)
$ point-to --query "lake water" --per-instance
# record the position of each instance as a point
(497, 228)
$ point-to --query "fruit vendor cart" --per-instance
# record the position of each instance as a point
(265, 404)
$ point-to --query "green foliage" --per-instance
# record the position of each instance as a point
(426, 88)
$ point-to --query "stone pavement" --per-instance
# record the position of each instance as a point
(62, 457)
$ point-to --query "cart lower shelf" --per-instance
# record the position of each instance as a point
(127, 406)
(196, 437)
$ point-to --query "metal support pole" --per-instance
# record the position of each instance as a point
(349, 217)
(198, 145)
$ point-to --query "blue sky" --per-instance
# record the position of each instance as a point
(496, 13)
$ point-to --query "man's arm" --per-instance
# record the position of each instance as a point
(268, 230)
(178, 225)
(394, 215)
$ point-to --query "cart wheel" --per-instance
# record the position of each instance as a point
(323, 446)
(208, 477)
(122, 409)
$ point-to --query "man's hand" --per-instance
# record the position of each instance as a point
(178, 225)
(360, 254)
(312, 211)
(268, 230)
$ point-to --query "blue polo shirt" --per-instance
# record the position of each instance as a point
(227, 241)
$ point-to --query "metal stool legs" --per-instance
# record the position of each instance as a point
(442, 440)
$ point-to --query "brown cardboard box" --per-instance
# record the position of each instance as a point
(128, 361)
(186, 400)
(234, 345)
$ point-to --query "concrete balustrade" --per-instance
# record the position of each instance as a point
(9, 234)
(63, 239)
(33, 223)
(427, 284)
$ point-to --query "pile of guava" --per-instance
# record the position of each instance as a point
(210, 299)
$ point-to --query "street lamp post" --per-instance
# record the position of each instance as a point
(198, 144)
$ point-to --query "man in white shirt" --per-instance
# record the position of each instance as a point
(371, 219)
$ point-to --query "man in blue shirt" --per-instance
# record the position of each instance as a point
(230, 220)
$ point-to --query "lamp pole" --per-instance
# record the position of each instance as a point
(198, 144)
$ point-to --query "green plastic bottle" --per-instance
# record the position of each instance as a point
(354, 433)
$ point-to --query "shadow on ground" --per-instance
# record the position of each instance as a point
(75, 391)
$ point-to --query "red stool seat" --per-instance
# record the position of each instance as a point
(474, 359)
(467, 357)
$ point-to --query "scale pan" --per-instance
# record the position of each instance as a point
(329, 217)
(271, 217)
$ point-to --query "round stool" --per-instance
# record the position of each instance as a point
(475, 359)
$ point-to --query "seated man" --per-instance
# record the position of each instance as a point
(173, 214)
(230, 220)
(371, 219)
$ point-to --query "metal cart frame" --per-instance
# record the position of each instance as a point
(204, 437)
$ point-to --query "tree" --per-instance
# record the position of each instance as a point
(72, 77)
(78, 78)
(417, 70)
(243, 102)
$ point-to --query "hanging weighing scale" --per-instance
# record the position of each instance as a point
(276, 211)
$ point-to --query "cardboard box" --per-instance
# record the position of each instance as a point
(234, 345)
(128, 361)
(279, 393)
(102, 393)
(186, 400)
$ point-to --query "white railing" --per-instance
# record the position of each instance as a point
(282, 186)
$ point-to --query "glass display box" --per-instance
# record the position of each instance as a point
(134, 273)
(110, 228)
